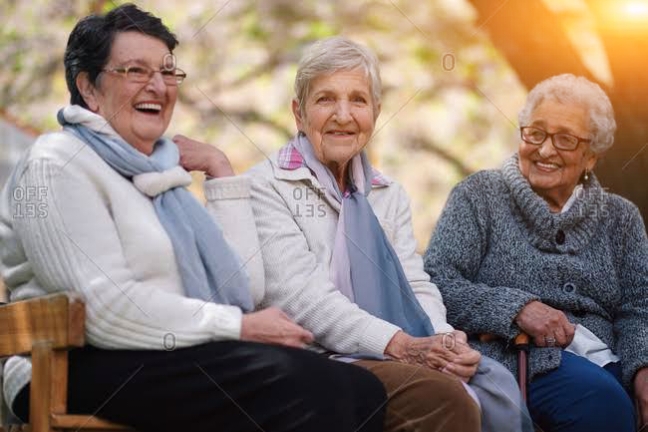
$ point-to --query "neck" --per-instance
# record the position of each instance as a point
(340, 172)
(556, 198)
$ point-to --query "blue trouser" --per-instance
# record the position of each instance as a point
(580, 396)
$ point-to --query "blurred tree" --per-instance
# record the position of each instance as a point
(536, 42)
(445, 87)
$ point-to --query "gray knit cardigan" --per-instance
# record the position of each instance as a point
(497, 247)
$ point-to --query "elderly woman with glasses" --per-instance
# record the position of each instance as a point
(174, 342)
(540, 247)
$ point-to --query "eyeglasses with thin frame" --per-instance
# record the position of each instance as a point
(562, 141)
(143, 74)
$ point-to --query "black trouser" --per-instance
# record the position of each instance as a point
(222, 387)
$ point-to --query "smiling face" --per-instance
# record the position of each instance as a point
(339, 117)
(139, 113)
(553, 174)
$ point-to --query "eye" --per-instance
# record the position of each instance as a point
(137, 71)
(324, 99)
(566, 140)
(360, 99)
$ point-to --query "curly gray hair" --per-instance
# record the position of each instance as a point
(568, 88)
(331, 55)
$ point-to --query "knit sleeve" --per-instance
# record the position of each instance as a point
(228, 201)
(453, 258)
(404, 244)
(73, 244)
(298, 283)
(631, 322)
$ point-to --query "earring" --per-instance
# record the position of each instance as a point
(586, 177)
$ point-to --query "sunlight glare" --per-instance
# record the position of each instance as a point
(636, 9)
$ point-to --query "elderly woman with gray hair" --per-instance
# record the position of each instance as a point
(540, 247)
(340, 257)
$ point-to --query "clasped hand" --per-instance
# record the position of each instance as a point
(547, 326)
(448, 352)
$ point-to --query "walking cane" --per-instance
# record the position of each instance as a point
(521, 343)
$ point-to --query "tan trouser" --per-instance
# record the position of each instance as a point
(424, 400)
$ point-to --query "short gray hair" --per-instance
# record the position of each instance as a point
(331, 55)
(568, 88)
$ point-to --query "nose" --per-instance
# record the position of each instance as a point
(156, 83)
(342, 111)
(547, 147)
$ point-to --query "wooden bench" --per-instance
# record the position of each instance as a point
(46, 328)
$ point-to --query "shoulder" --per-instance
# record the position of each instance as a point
(485, 181)
(263, 169)
(62, 150)
(482, 189)
(621, 212)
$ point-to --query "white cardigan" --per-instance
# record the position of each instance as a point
(73, 223)
(296, 226)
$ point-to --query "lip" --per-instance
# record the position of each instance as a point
(152, 105)
(547, 167)
(339, 132)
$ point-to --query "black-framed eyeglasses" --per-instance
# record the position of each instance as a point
(143, 74)
(562, 141)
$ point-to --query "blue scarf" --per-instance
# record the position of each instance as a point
(209, 269)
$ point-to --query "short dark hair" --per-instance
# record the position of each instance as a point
(91, 40)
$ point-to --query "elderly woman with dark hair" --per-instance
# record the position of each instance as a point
(173, 338)
(540, 247)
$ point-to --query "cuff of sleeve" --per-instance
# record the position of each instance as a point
(235, 187)
(516, 301)
(442, 328)
(376, 337)
(225, 321)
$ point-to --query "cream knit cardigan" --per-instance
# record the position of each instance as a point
(296, 226)
(76, 224)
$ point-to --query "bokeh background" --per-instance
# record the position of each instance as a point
(455, 74)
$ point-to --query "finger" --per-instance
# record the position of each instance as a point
(178, 137)
(307, 337)
(460, 336)
(570, 331)
(559, 335)
(539, 341)
(470, 359)
(460, 370)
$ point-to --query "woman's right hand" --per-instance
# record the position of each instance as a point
(199, 156)
(272, 326)
(546, 325)
(449, 353)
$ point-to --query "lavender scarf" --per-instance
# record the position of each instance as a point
(367, 270)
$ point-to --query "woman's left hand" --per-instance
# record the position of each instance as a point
(641, 394)
(198, 156)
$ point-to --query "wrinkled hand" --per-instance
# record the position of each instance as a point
(543, 323)
(273, 326)
(198, 156)
(641, 395)
(449, 353)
